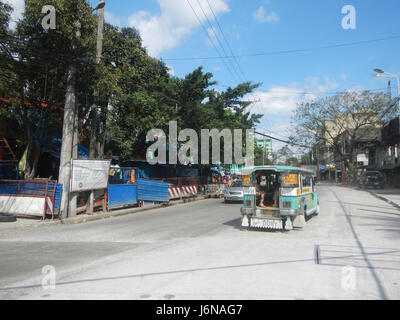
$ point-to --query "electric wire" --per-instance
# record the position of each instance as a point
(212, 42)
(347, 44)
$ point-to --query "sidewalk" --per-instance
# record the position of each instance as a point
(27, 222)
(390, 195)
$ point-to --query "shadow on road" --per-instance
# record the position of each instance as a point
(361, 204)
(343, 258)
(383, 258)
(362, 249)
(235, 223)
(391, 213)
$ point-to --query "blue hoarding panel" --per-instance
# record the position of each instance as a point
(149, 190)
(20, 187)
(121, 195)
(57, 197)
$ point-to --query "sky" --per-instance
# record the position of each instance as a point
(258, 34)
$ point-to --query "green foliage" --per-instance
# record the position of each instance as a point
(34, 64)
(351, 116)
(190, 101)
(351, 111)
(5, 12)
(134, 92)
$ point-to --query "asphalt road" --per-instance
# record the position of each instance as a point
(198, 251)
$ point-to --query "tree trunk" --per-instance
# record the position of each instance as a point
(38, 153)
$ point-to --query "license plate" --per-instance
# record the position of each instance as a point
(234, 197)
(266, 223)
(268, 211)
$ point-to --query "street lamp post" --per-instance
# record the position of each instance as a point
(381, 73)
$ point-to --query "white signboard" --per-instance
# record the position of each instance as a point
(89, 175)
(362, 158)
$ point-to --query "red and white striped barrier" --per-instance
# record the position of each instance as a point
(185, 191)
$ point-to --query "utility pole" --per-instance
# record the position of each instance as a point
(94, 129)
(74, 195)
(381, 73)
(99, 52)
(68, 133)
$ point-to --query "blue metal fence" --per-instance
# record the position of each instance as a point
(149, 190)
(27, 187)
(121, 195)
(124, 190)
(57, 198)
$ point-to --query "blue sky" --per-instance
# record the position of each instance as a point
(170, 30)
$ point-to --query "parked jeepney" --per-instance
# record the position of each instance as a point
(278, 197)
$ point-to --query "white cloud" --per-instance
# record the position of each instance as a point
(212, 37)
(112, 19)
(278, 102)
(171, 70)
(19, 7)
(261, 16)
(166, 30)
(282, 100)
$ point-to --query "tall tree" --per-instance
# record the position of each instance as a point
(191, 101)
(354, 115)
(36, 61)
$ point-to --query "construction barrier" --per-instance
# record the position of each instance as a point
(121, 195)
(126, 188)
(182, 192)
(153, 191)
(30, 197)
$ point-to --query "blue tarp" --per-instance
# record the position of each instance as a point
(52, 145)
(163, 171)
(8, 171)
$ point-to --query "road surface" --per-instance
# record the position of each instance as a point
(199, 251)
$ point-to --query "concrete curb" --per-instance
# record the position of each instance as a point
(385, 199)
(107, 215)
